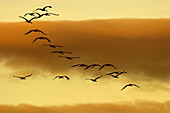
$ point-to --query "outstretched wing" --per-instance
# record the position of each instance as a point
(75, 65)
(16, 76)
(55, 77)
(47, 7)
(75, 57)
(28, 32)
(23, 18)
(87, 67)
(37, 9)
(98, 77)
(48, 40)
(41, 32)
(101, 67)
(35, 40)
(113, 66)
(124, 87)
(28, 75)
(136, 85)
(67, 77)
(53, 14)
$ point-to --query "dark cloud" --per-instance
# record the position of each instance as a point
(140, 47)
(136, 107)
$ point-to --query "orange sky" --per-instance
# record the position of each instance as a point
(140, 47)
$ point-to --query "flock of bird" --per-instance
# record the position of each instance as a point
(36, 15)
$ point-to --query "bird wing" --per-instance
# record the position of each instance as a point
(75, 65)
(55, 77)
(58, 45)
(28, 32)
(87, 67)
(28, 75)
(67, 77)
(23, 18)
(113, 66)
(16, 76)
(54, 52)
(37, 9)
(75, 57)
(124, 87)
(54, 14)
(98, 77)
(35, 40)
(42, 32)
(47, 7)
(136, 85)
(101, 67)
(47, 39)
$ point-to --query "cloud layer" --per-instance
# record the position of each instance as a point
(140, 47)
(136, 107)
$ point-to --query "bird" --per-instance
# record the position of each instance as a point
(116, 72)
(106, 65)
(61, 52)
(32, 14)
(43, 9)
(69, 58)
(92, 65)
(35, 30)
(42, 38)
(49, 14)
(51, 45)
(94, 80)
(59, 77)
(80, 65)
(28, 21)
(22, 78)
(130, 85)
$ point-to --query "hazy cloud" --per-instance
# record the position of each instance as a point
(140, 47)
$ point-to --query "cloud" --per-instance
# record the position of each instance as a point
(136, 107)
(140, 47)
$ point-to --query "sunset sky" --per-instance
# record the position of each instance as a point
(133, 35)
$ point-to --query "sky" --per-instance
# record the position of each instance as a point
(134, 42)
(87, 9)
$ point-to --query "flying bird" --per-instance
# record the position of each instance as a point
(61, 52)
(51, 45)
(35, 30)
(49, 14)
(80, 65)
(28, 21)
(59, 77)
(116, 72)
(92, 66)
(42, 38)
(31, 14)
(22, 78)
(69, 58)
(130, 85)
(94, 80)
(43, 9)
(106, 65)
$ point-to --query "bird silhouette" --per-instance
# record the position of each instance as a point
(43, 9)
(130, 85)
(116, 72)
(92, 66)
(28, 21)
(59, 77)
(35, 30)
(49, 14)
(106, 65)
(42, 38)
(69, 58)
(61, 52)
(31, 14)
(94, 80)
(80, 65)
(51, 45)
(22, 78)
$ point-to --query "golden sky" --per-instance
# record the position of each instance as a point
(87, 9)
(140, 47)
(104, 32)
